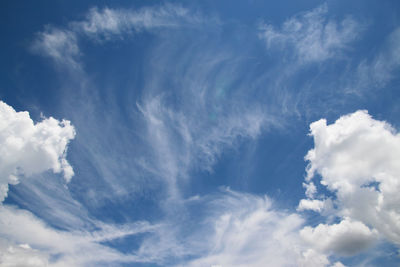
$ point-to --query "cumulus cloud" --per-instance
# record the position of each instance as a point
(21, 255)
(28, 148)
(344, 238)
(311, 204)
(312, 35)
(358, 161)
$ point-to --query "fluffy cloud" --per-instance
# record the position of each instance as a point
(21, 255)
(312, 35)
(358, 160)
(344, 238)
(27, 148)
(311, 204)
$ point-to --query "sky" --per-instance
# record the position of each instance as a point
(200, 133)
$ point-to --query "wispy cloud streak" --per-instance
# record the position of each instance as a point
(312, 35)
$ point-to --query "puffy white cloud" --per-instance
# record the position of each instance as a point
(312, 35)
(358, 160)
(313, 258)
(345, 238)
(28, 148)
(21, 255)
(311, 204)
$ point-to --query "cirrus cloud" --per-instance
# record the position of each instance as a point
(312, 36)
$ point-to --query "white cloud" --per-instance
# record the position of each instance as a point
(61, 44)
(312, 35)
(358, 159)
(311, 204)
(181, 141)
(379, 71)
(21, 255)
(25, 237)
(345, 238)
(247, 230)
(107, 22)
(27, 148)
(310, 189)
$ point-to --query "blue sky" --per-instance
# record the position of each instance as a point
(202, 133)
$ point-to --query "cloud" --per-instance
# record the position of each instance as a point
(358, 160)
(21, 255)
(312, 36)
(183, 141)
(345, 238)
(25, 237)
(187, 130)
(107, 22)
(247, 230)
(61, 44)
(379, 71)
(28, 148)
(311, 204)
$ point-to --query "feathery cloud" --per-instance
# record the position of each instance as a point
(312, 35)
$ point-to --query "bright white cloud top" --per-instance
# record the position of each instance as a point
(358, 159)
(28, 148)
